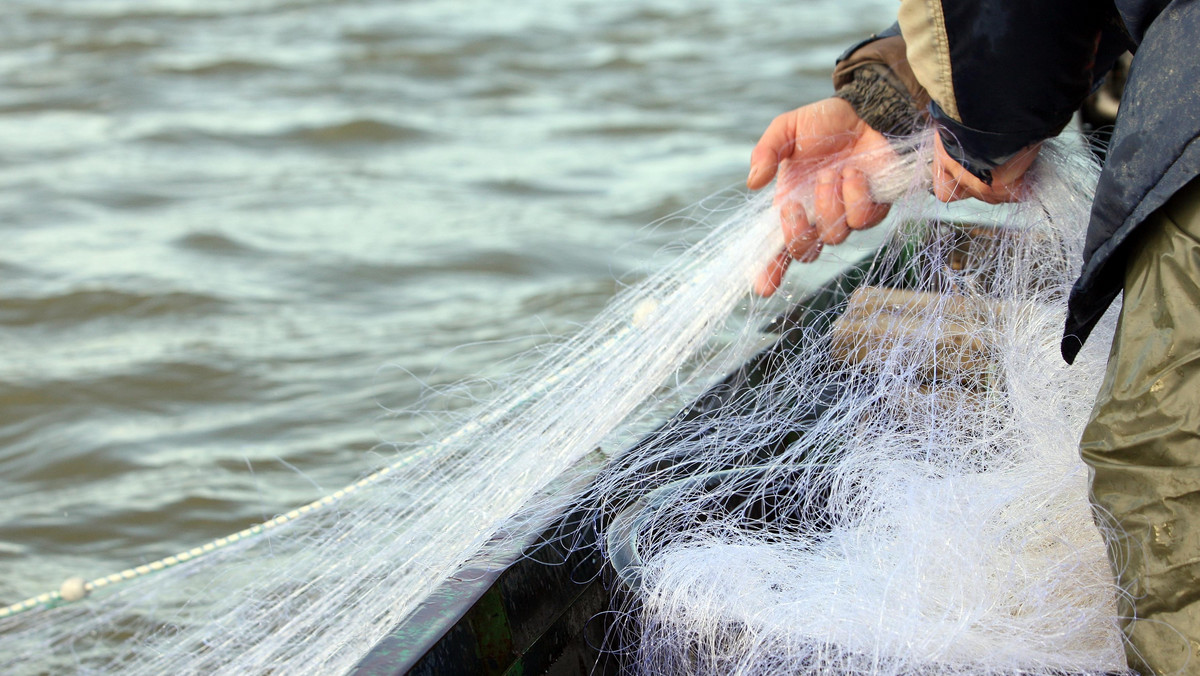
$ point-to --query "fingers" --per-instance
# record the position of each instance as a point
(862, 211)
(803, 241)
(776, 144)
(768, 280)
(952, 182)
(802, 244)
(1011, 174)
(830, 211)
(788, 179)
(842, 203)
(947, 181)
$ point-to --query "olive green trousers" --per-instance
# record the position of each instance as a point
(1143, 443)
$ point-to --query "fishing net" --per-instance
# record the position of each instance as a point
(900, 491)
(890, 486)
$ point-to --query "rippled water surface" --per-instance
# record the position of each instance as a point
(236, 236)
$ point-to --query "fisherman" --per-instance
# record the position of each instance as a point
(996, 78)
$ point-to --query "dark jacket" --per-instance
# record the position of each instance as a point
(1153, 152)
(1002, 74)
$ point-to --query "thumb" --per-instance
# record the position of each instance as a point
(810, 132)
(776, 143)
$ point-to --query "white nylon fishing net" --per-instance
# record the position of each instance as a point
(928, 514)
(899, 493)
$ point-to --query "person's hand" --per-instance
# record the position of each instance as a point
(816, 141)
(952, 182)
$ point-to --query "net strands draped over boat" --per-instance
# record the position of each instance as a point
(901, 493)
(846, 433)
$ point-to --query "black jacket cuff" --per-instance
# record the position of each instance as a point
(978, 151)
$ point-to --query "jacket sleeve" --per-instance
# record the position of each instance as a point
(1003, 74)
(874, 77)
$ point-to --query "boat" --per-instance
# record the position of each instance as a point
(548, 604)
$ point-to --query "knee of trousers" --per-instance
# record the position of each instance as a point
(1143, 440)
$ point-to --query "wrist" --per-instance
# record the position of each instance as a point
(882, 102)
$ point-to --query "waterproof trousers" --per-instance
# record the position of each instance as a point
(1143, 443)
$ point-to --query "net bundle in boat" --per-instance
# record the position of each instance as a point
(900, 490)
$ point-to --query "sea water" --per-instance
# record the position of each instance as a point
(241, 238)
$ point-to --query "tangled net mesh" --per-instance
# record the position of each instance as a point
(901, 493)
(898, 490)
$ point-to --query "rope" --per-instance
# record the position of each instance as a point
(76, 588)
